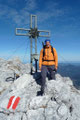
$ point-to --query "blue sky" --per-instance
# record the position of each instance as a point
(61, 17)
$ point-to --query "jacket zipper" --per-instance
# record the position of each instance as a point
(47, 55)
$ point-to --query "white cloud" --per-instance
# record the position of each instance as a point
(30, 5)
(21, 17)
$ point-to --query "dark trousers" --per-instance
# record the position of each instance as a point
(44, 70)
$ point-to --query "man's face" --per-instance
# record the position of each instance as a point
(47, 43)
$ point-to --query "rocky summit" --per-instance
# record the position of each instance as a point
(20, 98)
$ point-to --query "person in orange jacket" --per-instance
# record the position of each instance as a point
(48, 62)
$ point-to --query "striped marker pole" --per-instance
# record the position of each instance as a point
(13, 102)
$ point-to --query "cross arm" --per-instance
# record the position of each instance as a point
(44, 31)
(22, 34)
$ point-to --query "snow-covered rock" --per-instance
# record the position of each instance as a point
(60, 102)
(8, 68)
(11, 70)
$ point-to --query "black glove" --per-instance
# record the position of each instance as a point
(55, 70)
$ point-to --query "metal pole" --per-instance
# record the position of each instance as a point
(35, 45)
(31, 21)
(35, 21)
(36, 36)
(36, 53)
(31, 53)
(36, 64)
(31, 45)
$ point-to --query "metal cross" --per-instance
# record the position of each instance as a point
(33, 33)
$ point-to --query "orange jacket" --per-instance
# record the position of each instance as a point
(48, 56)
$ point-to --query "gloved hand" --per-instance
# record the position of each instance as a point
(55, 70)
